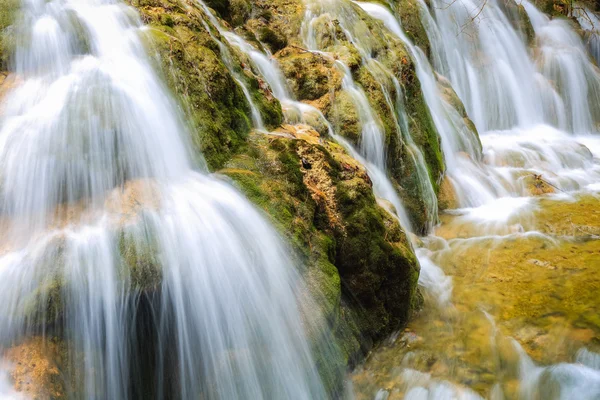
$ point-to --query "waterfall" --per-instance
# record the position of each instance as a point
(227, 59)
(516, 97)
(472, 186)
(501, 83)
(372, 145)
(162, 281)
(591, 24)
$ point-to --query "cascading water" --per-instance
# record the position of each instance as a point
(161, 281)
(227, 58)
(472, 187)
(590, 22)
(372, 145)
(535, 111)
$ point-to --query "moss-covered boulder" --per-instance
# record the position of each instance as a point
(409, 13)
(217, 111)
(310, 75)
(322, 200)
(382, 68)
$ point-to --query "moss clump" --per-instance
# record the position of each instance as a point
(410, 17)
(344, 117)
(140, 259)
(236, 12)
(378, 264)
(220, 6)
(8, 13)
(274, 40)
(44, 306)
(423, 129)
(311, 76)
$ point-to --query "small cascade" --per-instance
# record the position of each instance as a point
(492, 73)
(590, 22)
(266, 66)
(372, 144)
(498, 80)
(472, 186)
(229, 62)
(517, 147)
(562, 58)
(160, 281)
(491, 269)
(561, 381)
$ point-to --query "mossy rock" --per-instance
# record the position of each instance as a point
(423, 129)
(282, 17)
(410, 16)
(38, 367)
(140, 258)
(344, 117)
(8, 13)
(310, 75)
(215, 106)
(322, 200)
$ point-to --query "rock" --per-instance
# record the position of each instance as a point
(310, 75)
(36, 368)
(10, 9)
(447, 199)
(330, 215)
(535, 185)
(217, 110)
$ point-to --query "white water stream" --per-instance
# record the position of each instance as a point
(94, 172)
(536, 112)
(88, 119)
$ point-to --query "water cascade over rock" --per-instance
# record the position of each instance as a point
(158, 281)
(382, 143)
(535, 111)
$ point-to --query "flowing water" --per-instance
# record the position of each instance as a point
(591, 24)
(230, 63)
(157, 280)
(111, 233)
(373, 141)
(509, 277)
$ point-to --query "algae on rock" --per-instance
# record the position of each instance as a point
(331, 217)
(216, 108)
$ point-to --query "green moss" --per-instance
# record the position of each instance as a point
(410, 17)
(216, 108)
(344, 117)
(220, 6)
(311, 75)
(8, 13)
(218, 114)
(239, 12)
(423, 129)
(273, 39)
(44, 306)
(140, 258)
(377, 270)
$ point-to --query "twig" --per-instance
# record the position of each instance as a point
(539, 177)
